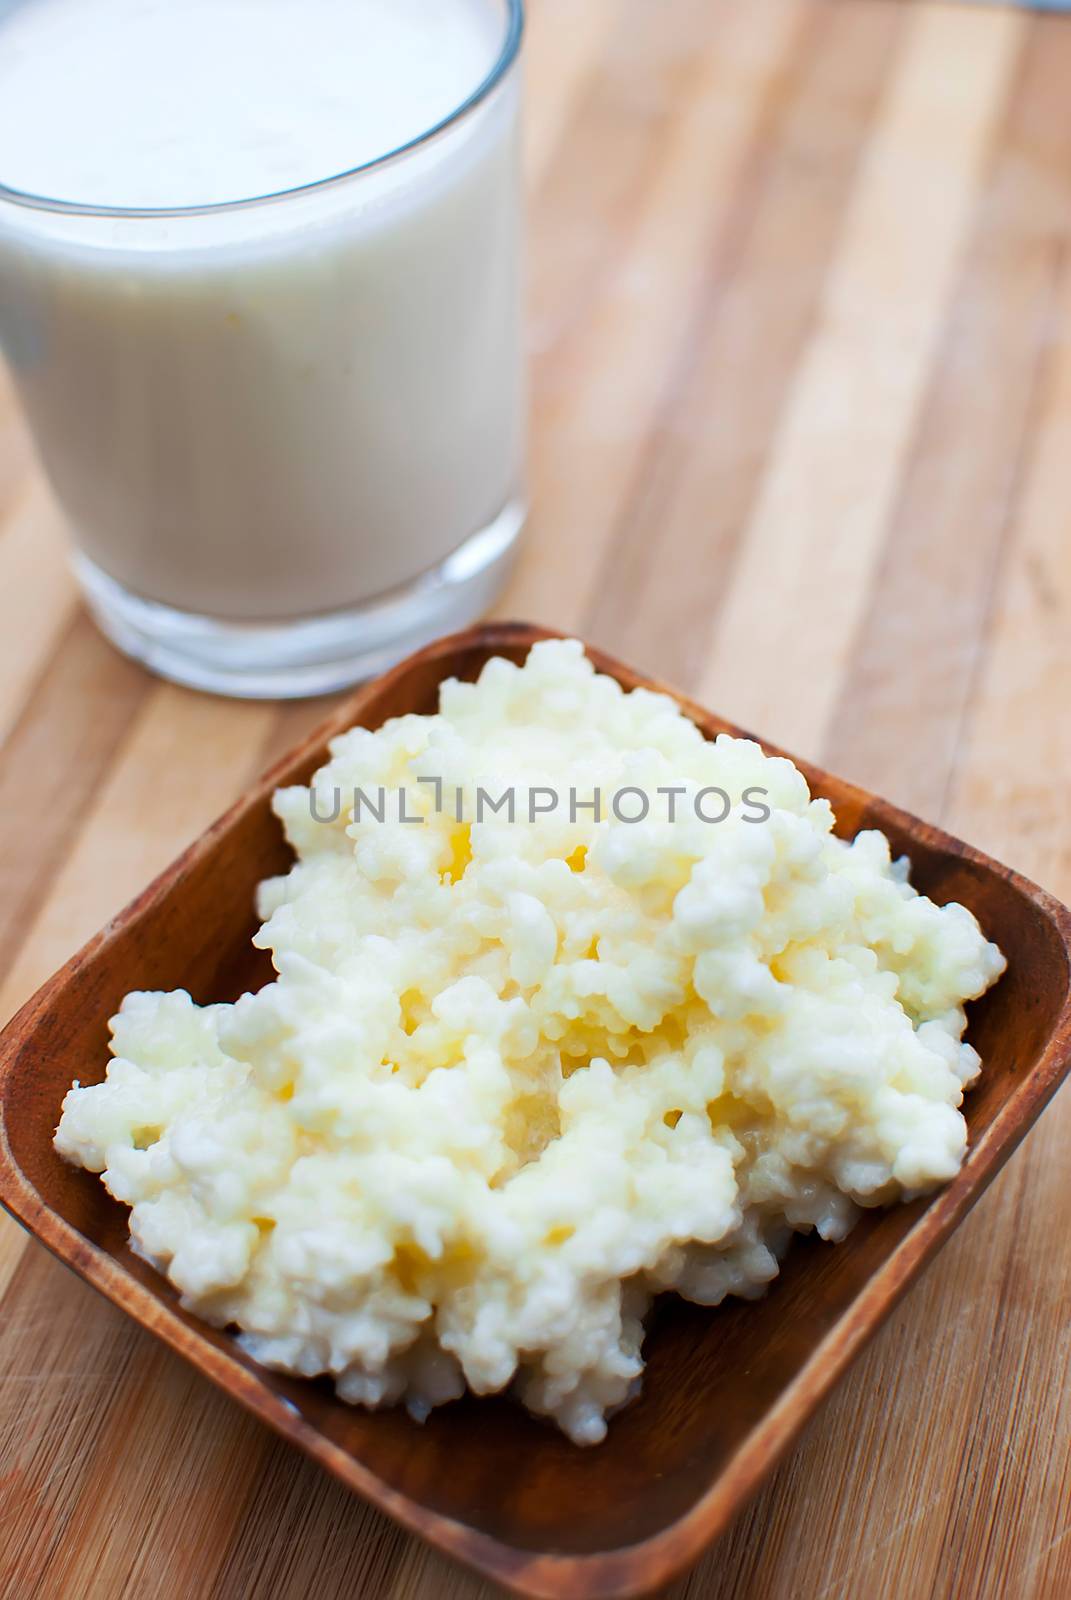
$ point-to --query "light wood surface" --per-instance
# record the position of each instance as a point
(801, 341)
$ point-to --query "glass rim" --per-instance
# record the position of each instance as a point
(507, 55)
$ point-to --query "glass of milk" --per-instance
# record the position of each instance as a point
(260, 293)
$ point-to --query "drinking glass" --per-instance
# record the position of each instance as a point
(287, 431)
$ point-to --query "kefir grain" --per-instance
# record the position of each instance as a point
(513, 1079)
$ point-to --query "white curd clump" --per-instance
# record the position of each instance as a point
(514, 1078)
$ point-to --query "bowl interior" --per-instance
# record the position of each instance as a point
(711, 1375)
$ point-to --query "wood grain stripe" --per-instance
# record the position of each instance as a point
(789, 625)
(309, 1536)
(12, 1242)
(601, 359)
(1013, 785)
(16, 463)
(63, 1365)
(33, 566)
(669, 567)
(562, 49)
(183, 1538)
(54, 760)
(919, 639)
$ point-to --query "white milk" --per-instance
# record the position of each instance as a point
(281, 409)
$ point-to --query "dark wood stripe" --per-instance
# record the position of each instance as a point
(64, 1361)
(305, 1534)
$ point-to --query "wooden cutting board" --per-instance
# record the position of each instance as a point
(801, 340)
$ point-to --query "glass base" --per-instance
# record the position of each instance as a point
(310, 655)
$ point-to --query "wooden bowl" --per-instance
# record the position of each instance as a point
(725, 1392)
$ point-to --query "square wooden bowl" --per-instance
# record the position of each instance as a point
(725, 1391)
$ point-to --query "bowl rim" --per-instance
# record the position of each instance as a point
(627, 1571)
